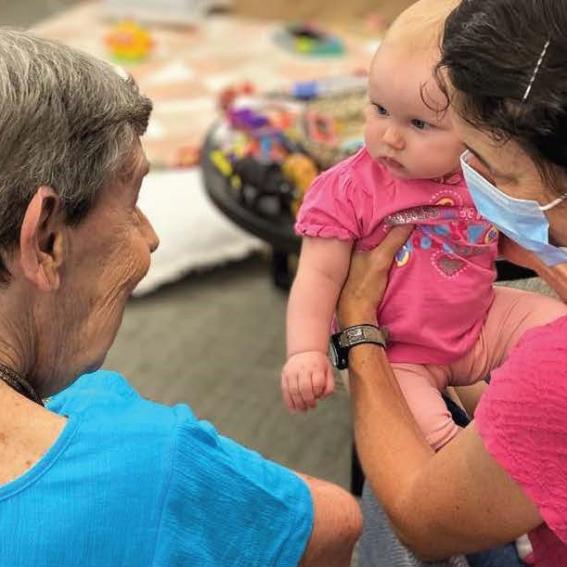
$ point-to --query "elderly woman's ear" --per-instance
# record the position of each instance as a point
(41, 240)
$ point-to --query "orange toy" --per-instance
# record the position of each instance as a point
(301, 171)
(129, 42)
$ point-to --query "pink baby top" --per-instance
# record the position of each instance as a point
(440, 286)
(522, 419)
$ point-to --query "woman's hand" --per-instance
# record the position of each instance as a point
(367, 279)
(554, 276)
(518, 255)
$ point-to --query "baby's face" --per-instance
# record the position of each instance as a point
(411, 139)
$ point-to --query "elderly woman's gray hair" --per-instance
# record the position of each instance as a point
(67, 120)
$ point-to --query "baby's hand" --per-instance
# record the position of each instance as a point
(306, 378)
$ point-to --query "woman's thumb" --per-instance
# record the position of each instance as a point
(394, 240)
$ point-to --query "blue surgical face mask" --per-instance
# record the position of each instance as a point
(522, 220)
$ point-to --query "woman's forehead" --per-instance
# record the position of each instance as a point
(501, 156)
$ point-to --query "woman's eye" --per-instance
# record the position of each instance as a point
(420, 124)
(480, 168)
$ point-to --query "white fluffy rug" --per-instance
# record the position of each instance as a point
(193, 233)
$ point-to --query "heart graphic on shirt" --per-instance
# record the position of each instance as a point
(449, 265)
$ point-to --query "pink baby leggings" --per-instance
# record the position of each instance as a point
(511, 315)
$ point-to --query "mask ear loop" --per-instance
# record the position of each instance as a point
(536, 71)
(553, 203)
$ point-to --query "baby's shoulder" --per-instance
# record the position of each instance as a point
(359, 173)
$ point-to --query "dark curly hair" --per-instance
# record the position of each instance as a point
(489, 52)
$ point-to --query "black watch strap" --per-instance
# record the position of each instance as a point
(342, 342)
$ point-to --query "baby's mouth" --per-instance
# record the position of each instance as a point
(391, 163)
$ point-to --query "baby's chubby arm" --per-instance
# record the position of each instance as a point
(307, 374)
(323, 267)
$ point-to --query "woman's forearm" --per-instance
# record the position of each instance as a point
(392, 449)
(458, 500)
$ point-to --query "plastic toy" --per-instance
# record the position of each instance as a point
(229, 94)
(223, 165)
(263, 132)
(129, 42)
(331, 86)
(307, 39)
(333, 127)
(301, 170)
(247, 119)
(267, 182)
(321, 128)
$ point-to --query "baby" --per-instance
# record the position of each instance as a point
(448, 325)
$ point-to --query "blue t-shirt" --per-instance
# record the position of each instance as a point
(133, 483)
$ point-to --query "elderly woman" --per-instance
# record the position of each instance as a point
(504, 68)
(102, 477)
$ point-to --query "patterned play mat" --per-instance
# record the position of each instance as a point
(189, 66)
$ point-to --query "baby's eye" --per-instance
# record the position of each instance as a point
(381, 110)
(420, 124)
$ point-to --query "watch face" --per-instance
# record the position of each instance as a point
(337, 353)
(333, 354)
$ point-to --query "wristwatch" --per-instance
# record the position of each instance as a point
(341, 343)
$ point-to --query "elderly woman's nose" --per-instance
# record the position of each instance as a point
(153, 238)
(154, 242)
(149, 233)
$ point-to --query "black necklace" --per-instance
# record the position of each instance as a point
(19, 383)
